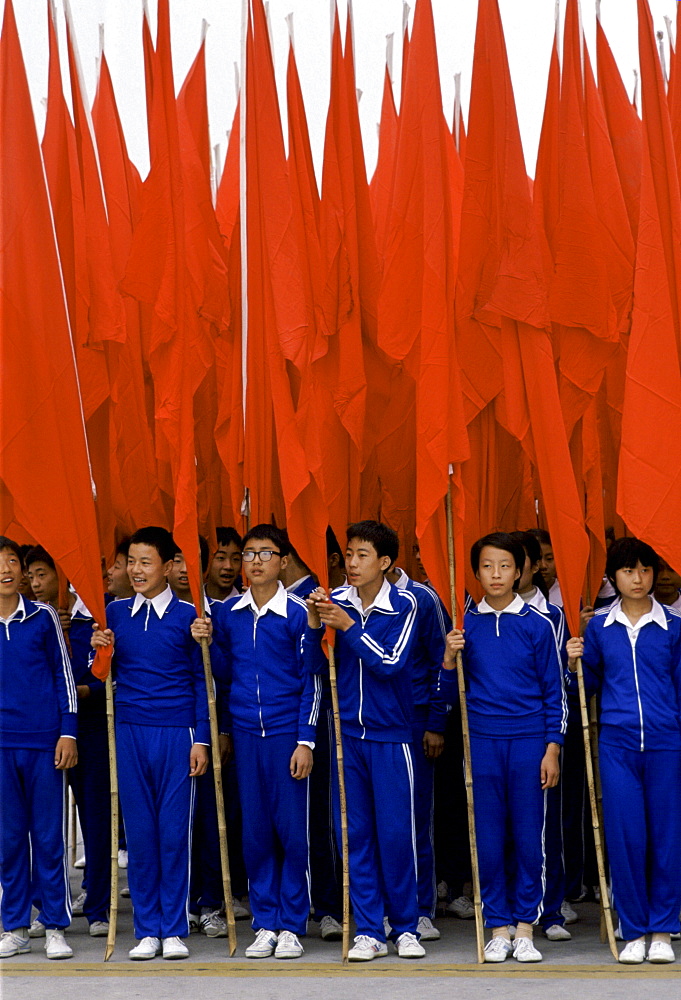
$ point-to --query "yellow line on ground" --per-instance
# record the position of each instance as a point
(251, 970)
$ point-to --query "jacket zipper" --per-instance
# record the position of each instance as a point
(257, 675)
(638, 693)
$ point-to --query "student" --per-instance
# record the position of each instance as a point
(517, 716)
(376, 625)
(178, 578)
(631, 655)
(429, 724)
(296, 576)
(38, 729)
(118, 581)
(547, 566)
(162, 735)
(273, 702)
(225, 566)
(42, 575)
(668, 586)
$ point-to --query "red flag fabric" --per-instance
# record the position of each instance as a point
(43, 450)
(382, 182)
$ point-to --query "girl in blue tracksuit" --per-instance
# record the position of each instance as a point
(631, 654)
(517, 716)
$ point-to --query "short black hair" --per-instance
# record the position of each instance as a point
(626, 553)
(542, 536)
(157, 538)
(295, 555)
(123, 547)
(530, 543)
(204, 550)
(39, 554)
(499, 540)
(382, 537)
(268, 533)
(228, 536)
(332, 546)
(8, 543)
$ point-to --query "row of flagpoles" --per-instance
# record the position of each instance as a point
(190, 353)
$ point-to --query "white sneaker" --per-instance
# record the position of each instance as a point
(330, 929)
(213, 925)
(367, 948)
(408, 946)
(55, 944)
(570, 914)
(80, 862)
(619, 936)
(122, 859)
(264, 944)
(148, 947)
(99, 928)
(15, 942)
(241, 910)
(660, 953)
(442, 890)
(193, 923)
(525, 951)
(77, 904)
(634, 952)
(462, 908)
(125, 892)
(288, 946)
(37, 929)
(557, 933)
(427, 930)
(174, 947)
(498, 949)
(676, 936)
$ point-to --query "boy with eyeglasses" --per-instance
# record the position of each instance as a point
(273, 695)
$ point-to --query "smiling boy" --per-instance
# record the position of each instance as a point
(517, 714)
(375, 623)
(162, 735)
(38, 728)
(225, 566)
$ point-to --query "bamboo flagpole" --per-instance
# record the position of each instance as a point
(217, 776)
(345, 852)
(603, 885)
(468, 771)
(593, 733)
(113, 781)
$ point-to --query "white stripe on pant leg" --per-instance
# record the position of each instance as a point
(192, 797)
(410, 773)
(65, 842)
(308, 870)
(543, 866)
(431, 837)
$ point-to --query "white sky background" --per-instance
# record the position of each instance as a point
(528, 26)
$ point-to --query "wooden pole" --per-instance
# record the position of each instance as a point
(593, 733)
(603, 885)
(345, 851)
(217, 776)
(113, 782)
(468, 771)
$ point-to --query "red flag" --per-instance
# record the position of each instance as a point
(382, 181)
(43, 451)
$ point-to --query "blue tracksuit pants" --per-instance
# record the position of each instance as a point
(206, 877)
(508, 796)
(554, 894)
(325, 864)
(157, 799)
(33, 839)
(379, 784)
(424, 805)
(274, 807)
(89, 780)
(642, 818)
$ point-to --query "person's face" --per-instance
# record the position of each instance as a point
(668, 583)
(118, 581)
(547, 565)
(225, 566)
(529, 569)
(363, 564)
(147, 572)
(11, 573)
(178, 578)
(44, 582)
(497, 571)
(634, 583)
(261, 572)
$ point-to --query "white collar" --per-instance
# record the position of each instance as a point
(19, 611)
(278, 604)
(514, 608)
(656, 614)
(402, 580)
(537, 600)
(555, 595)
(158, 603)
(79, 607)
(381, 602)
(293, 587)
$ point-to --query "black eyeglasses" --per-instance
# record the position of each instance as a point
(264, 555)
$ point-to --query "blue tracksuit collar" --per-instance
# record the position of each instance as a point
(160, 603)
(385, 600)
(656, 614)
(516, 607)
